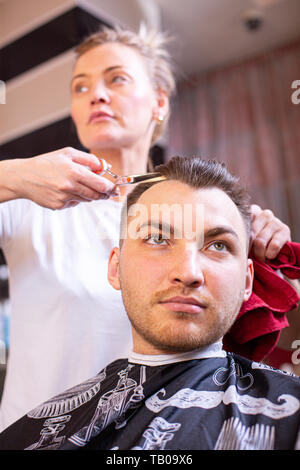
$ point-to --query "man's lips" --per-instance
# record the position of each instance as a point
(184, 304)
(100, 116)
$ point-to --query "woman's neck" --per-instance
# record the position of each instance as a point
(123, 162)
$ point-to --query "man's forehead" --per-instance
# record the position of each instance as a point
(166, 193)
(175, 203)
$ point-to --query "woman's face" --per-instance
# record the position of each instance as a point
(113, 99)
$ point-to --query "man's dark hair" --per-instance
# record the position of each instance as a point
(197, 173)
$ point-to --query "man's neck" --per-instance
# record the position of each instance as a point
(213, 350)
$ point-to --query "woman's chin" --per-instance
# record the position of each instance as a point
(105, 142)
(114, 140)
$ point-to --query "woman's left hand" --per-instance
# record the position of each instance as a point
(268, 234)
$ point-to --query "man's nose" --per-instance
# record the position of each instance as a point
(187, 269)
(100, 94)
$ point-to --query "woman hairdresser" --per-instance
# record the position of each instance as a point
(67, 323)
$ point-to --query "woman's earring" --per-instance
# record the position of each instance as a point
(159, 118)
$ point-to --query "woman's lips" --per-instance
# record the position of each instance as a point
(184, 304)
(100, 116)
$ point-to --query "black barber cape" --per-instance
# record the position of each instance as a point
(214, 403)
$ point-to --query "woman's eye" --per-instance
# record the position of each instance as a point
(118, 79)
(218, 246)
(80, 89)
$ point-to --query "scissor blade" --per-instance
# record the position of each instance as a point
(133, 179)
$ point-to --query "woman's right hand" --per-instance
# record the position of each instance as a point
(55, 180)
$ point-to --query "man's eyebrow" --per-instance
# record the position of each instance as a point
(208, 234)
(158, 225)
(220, 230)
(109, 69)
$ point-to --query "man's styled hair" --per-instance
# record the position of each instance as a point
(198, 174)
(151, 45)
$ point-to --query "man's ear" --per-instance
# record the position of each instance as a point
(249, 279)
(113, 268)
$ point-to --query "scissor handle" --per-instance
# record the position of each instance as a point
(104, 166)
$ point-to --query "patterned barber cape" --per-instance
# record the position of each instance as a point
(214, 403)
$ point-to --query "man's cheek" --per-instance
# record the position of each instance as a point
(224, 292)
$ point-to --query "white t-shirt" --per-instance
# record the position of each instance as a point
(67, 322)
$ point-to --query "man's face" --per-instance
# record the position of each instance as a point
(182, 292)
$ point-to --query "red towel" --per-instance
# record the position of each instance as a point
(278, 357)
(260, 320)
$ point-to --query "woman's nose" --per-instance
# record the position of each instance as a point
(187, 269)
(100, 95)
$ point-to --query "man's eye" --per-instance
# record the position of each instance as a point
(156, 240)
(218, 246)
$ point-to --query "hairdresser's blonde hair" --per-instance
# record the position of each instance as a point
(152, 46)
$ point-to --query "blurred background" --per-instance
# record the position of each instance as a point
(237, 64)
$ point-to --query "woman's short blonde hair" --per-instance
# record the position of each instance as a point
(152, 47)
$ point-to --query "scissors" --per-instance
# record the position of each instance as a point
(129, 179)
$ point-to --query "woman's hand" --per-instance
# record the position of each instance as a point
(55, 180)
(268, 234)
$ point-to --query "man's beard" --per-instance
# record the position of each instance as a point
(176, 342)
(171, 339)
